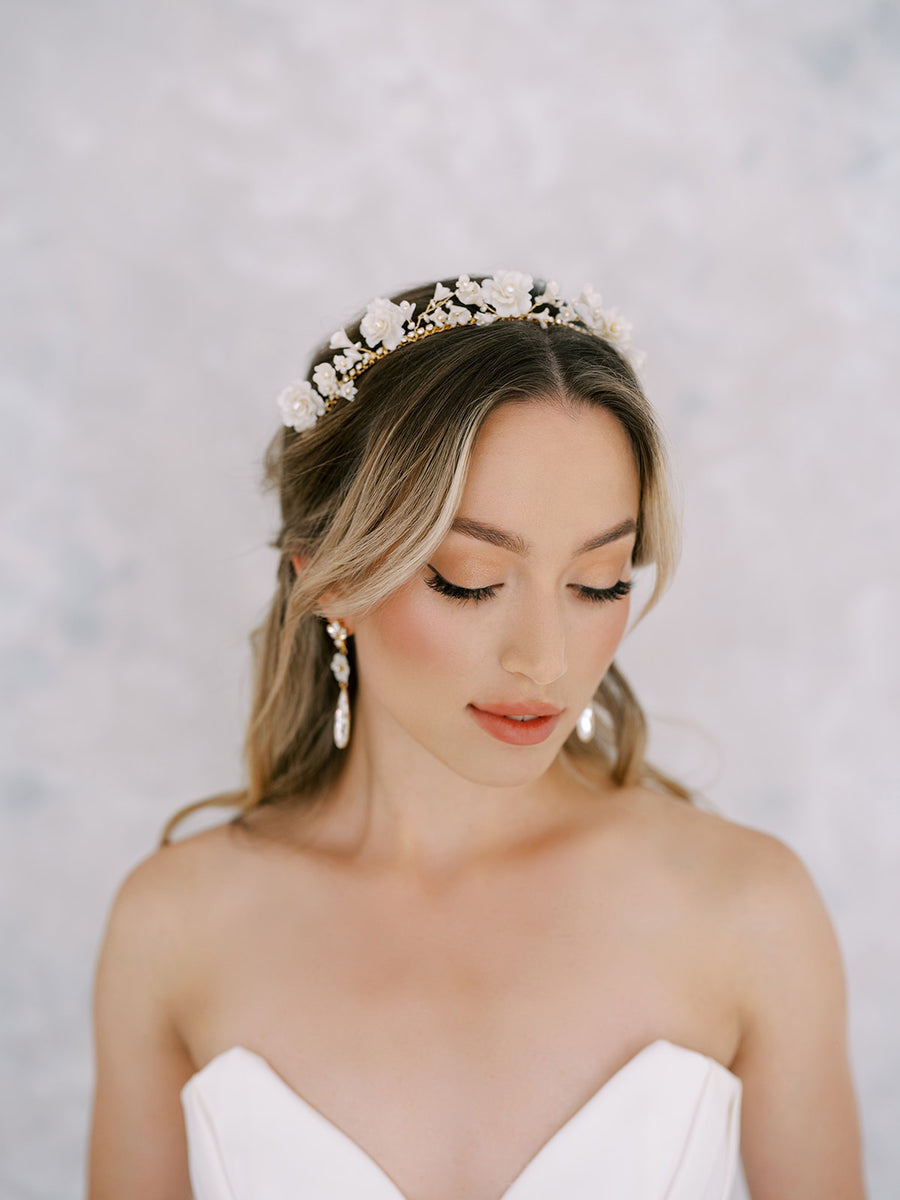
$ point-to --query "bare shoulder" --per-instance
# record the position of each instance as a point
(154, 922)
(769, 898)
(764, 893)
(148, 909)
(736, 860)
(800, 1132)
(190, 862)
(138, 1143)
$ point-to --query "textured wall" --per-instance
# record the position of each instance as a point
(194, 192)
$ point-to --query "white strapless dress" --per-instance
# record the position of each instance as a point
(664, 1127)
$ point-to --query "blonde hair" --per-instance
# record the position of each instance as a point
(369, 493)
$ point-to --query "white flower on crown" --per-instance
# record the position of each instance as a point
(550, 294)
(301, 405)
(508, 293)
(617, 329)
(456, 315)
(589, 307)
(467, 290)
(326, 380)
(385, 322)
(352, 351)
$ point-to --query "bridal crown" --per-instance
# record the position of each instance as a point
(505, 296)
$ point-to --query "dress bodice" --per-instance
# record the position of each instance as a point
(664, 1127)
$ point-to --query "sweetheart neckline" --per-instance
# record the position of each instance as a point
(642, 1055)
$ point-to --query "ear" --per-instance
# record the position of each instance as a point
(328, 600)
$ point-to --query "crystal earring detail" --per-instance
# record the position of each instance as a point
(340, 668)
(586, 724)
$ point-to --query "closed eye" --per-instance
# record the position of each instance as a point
(597, 595)
(446, 588)
(619, 589)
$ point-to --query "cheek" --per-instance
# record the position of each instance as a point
(607, 635)
(413, 632)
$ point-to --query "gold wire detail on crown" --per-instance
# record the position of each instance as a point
(385, 326)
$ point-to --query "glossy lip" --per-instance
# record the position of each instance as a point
(517, 733)
(522, 708)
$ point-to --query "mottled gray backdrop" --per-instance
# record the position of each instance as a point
(194, 192)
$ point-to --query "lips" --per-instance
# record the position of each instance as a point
(499, 721)
(520, 708)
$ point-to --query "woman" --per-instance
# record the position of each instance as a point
(461, 940)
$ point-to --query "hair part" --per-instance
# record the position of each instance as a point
(371, 490)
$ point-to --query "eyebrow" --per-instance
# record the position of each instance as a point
(518, 545)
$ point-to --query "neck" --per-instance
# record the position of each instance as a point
(397, 809)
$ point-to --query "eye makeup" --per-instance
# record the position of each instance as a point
(446, 588)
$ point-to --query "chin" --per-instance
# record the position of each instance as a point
(517, 770)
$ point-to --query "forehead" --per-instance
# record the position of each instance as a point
(541, 464)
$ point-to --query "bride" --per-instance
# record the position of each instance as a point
(461, 941)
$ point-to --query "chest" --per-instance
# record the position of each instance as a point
(415, 1025)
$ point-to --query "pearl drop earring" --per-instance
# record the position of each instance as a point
(586, 724)
(340, 668)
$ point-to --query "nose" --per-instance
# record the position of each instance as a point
(535, 642)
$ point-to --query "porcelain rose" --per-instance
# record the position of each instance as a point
(384, 322)
(508, 293)
(300, 405)
(589, 307)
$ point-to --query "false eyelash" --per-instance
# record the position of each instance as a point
(616, 592)
(598, 595)
(446, 588)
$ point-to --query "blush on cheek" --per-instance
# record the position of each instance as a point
(413, 629)
(608, 642)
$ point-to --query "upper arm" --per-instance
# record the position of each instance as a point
(800, 1133)
(138, 1144)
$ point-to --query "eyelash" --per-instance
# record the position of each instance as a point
(597, 595)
